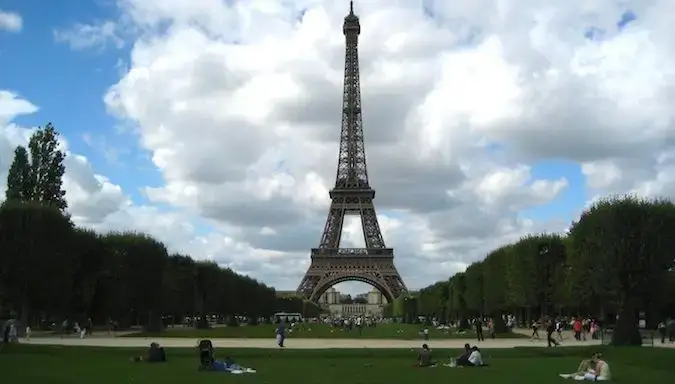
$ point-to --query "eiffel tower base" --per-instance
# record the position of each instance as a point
(333, 266)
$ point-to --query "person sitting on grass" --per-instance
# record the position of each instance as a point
(476, 358)
(463, 359)
(155, 354)
(593, 369)
(424, 357)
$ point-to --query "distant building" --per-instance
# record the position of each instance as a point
(331, 296)
(375, 297)
(347, 310)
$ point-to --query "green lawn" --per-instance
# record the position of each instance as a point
(81, 365)
(316, 331)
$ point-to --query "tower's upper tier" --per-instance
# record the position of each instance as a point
(351, 23)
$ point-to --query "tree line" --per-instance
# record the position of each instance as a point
(616, 263)
(51, 270)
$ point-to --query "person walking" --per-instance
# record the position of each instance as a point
(281, 334)
(550, 328)
(478, 323)
(535, 330)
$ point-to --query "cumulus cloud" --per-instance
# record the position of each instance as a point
(239, 106)
(10, 21)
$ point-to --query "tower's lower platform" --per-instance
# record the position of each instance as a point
(333, 266)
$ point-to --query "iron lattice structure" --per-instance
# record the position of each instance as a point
(352, 194)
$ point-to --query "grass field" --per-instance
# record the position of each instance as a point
(316, 331)
(80, 365)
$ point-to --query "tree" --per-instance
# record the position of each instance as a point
(87, 253)
(179, 287)
(494, 281)
(433, 300)
(630, 243)
(36, 273)
(145, 259)
(40, 178)
(457, 294)
(473, 295)
(19, 177)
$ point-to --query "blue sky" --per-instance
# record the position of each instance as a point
(68, 87)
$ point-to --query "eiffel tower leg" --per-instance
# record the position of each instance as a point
(332, 231)
(370, 226)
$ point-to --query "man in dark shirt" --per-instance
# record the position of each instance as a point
(156, 354)
(550, 328)
(424, 357)
(463, 359)
(479, 329)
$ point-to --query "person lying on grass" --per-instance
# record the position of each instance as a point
(155, 354)
(228, 365)
(593, 369)
(424, 357)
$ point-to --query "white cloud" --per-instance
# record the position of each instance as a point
(87, 36)
(10, 21)
(239, 107)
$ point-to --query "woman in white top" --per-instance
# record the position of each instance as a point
(476, 358)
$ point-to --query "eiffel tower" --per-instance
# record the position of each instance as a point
(352, 194)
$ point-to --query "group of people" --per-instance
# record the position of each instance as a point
(593, 369)
(554, 329)
(156, 354)
(471, 357)
(10, 333)
(667, 330)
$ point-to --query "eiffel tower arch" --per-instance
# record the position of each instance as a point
(352, 195)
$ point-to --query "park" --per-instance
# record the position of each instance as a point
(126, 294)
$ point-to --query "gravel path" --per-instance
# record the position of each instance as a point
(293, 343)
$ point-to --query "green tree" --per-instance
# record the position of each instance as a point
(19, 177)
(179, 287)
(40, 178)
(144, 260)
(433, 300)
(628, 243)
(457, 293)
(521, 276)
(494, 281)
(87, 253)
(473, 295)
(34, 252)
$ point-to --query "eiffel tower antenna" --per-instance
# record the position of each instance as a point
(352, 194)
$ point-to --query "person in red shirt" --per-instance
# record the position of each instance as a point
(577, 329)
